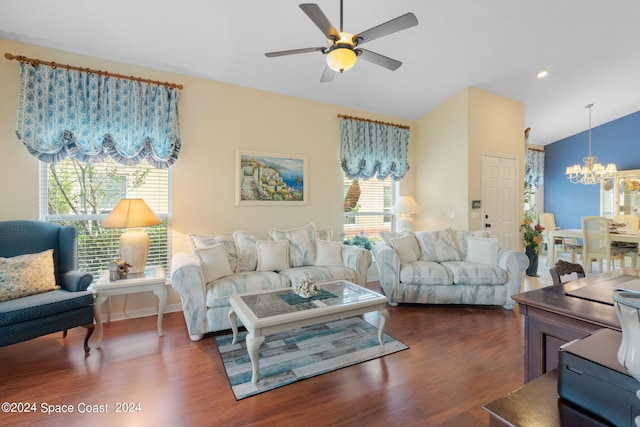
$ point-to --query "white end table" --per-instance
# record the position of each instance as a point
(152, 279)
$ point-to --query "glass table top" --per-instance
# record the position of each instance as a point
(285, 300)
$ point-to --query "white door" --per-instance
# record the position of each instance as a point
(501, 196)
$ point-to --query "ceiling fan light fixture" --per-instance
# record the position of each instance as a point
(341, 59)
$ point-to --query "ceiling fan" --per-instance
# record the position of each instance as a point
(344, 48)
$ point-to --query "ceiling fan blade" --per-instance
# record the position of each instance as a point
(327, 75)
(381, 60)
(398, 24)
(294, 51)
(314, 13)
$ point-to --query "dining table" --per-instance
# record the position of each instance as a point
(576, 233)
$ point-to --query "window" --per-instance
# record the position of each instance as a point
(366, 206)
(83, 194)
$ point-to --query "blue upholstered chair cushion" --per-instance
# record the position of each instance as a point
(42, 305)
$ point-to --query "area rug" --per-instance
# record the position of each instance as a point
(302, 353)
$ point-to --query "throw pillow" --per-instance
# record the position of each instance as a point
(387, 236)
(439, 245)
(482, 250)
(214, 262)
(272, 256)
(328, 253)
(246, 247)
(302, 244)
(404, 247)
(28, 274)
(198, 241)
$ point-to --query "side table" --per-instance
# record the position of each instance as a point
(152, 279)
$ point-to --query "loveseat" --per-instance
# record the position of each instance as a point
(219, 266)
(448, 267)
(41, 289)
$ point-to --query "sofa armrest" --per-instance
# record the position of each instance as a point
(187, 278)
(76, 281)
(515, 263)
(388, 263)
(359, 260)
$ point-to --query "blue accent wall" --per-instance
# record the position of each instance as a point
(615, 142)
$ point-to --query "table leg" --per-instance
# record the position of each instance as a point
(384, 317)
(97, 313)
(234, 325)
(161, 293)
(108, 306)
(253, 344)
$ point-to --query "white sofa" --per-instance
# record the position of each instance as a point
(448, 267)
(239, 262)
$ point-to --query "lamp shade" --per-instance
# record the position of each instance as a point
(134, 243)
(405, 204)
(131, 213)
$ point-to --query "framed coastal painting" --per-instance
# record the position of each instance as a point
(270, 179)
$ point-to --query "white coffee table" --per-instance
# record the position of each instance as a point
(264, 313)
(152, 279)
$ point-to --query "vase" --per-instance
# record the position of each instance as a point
(532, 270)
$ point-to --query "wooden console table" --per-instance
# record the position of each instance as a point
(552, 318)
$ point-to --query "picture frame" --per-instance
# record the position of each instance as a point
(270, 179)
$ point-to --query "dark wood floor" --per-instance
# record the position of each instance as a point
(459, 359)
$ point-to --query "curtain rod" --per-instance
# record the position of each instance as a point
(36, 62)
(342, 116)
(535, 149)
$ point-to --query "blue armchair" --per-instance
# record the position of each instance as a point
(32, 316)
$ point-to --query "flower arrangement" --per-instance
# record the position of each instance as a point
(532, 235)
(359, 240)
(306, 287)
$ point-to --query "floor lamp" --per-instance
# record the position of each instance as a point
(132, 214)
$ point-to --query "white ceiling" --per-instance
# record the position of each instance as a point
(591, 48)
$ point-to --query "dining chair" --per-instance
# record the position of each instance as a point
(564, 268)
(596, 240)
(548, 221)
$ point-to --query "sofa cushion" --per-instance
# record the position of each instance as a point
(328, 253)
(272, 256)
(214, 262)
(324, 233)
(43, 305)
(470, 273)
(439, 245)
(404, 247)
(246, 247)
(319, 273)
(198, 241)
(482, 250)
(25, 275)
(218, 291)
(425, 272)
(302, 244)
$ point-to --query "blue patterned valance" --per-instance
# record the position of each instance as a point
(89, 116)
(370, 149)
(534, 168)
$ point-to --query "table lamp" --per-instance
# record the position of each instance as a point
(404, 207)
(132, 214)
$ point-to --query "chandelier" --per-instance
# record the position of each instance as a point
(591, 172)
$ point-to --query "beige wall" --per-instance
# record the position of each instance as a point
(216, 119)
(451, 141)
